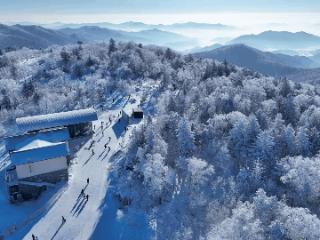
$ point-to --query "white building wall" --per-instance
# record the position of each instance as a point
(41, 167)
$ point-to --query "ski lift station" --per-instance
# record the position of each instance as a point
(40, 155)
(137, 113)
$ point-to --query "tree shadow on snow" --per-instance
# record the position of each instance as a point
(117, 224)
(131, 225)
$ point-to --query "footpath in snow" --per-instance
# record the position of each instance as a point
(82, 214)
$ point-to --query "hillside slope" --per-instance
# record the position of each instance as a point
(18, 36)
(36, 37)
(153, 36)
(222, 152)
(263, 62)
(279, 40)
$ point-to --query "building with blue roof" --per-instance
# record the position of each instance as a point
(40, 158)
(41, 154)
(53, 135)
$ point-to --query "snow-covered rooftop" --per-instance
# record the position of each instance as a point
(56, 119)
(38, 139)
(38, 146)
(137, 109)
(45, 151)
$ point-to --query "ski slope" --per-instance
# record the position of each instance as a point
(83, 215)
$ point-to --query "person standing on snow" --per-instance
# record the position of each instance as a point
(87, 180)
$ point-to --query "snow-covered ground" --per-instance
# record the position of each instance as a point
(82, 216)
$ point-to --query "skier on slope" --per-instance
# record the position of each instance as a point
(87, 180)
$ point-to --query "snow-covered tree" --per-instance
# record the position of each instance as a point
(185, 137)
(303, 142)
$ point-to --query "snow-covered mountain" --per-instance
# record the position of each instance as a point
(153, 36)
(306, 75)
(140, 26)
(222, 153)
(206, 48)
(316, 56)
(268, 63)
(31, 36)
(279, 40)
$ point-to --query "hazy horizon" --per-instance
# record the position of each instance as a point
(245, 17)
(291, 15)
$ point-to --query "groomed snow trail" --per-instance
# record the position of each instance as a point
(81, 215)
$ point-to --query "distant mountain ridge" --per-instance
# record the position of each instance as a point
(279, 40)
(152, 37)
(263, 62)
(311, 76)
(316, 56)
(32, 36)
(206, 48)
(140, 26)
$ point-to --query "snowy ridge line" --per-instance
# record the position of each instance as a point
(15, 227)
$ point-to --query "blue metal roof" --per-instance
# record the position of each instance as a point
(52, 150)
(14, 143)
(56, 119)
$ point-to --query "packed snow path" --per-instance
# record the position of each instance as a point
(92, 162)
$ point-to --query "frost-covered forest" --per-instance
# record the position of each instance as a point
(225, 153)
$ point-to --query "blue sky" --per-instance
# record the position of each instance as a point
(155, 6)
(293, 15)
